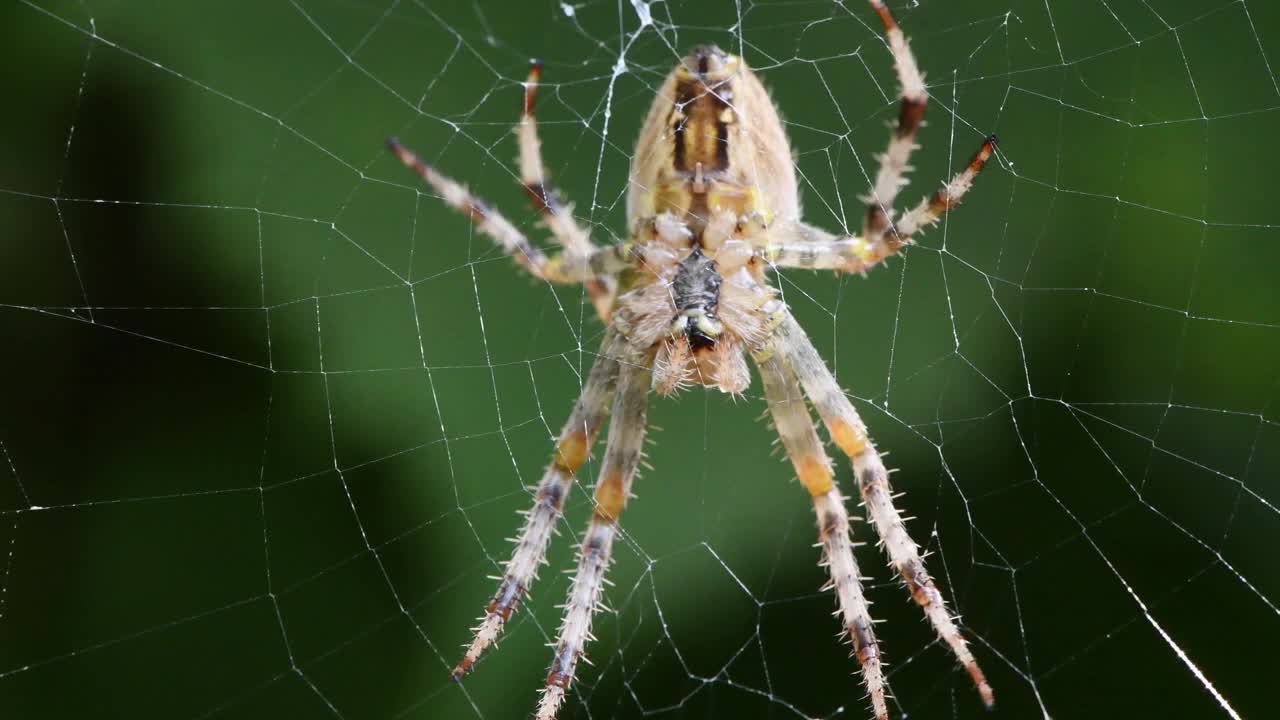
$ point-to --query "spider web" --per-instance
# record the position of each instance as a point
(269, 409)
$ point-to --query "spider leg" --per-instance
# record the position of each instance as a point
(566, 267)
(799, 245)
(795, 428)
(850, 434)
(557, 215)
(575, 443)
(893, 164)
(931, 209)
(622, 457)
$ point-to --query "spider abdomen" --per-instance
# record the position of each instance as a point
(712, 142)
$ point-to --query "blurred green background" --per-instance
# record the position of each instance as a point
(267, 411)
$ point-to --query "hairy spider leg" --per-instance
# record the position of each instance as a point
(931, 209)
(893, 163)
(565, 267)
(794, 425)
(794, 244)
(556, 214)
(530, 552)
(849, 433)
(622, 457)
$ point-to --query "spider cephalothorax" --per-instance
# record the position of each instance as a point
(713, 207)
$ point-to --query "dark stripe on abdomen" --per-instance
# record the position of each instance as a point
(697, 122)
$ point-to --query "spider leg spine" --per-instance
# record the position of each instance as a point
(873, 483)
(487, 221)
(931, 209)
(557, 216)
(891, 176)
(799, 245)
(540, 522)
(565, 267)
(804, 447)
(533, 174)
(621, 459)
(905, 558)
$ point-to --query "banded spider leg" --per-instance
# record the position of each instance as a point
(580, 261)
(623, 453)
(557, 215)
(798, 244)
(795, 244)
(849, 433)
(795, 428)
(571, 451)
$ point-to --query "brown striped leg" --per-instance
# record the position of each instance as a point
(575, 443)
(932, 208)
(566, 267)
(557, 215)
(850, 434)
(621, 458)
(893, 164)
(799, 245)
(813, 467)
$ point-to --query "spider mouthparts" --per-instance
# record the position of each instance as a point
(992, 140)
(699, 340)
(393, 143)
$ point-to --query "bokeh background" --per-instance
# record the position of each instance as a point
(268, 411)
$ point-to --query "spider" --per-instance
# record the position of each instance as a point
(712, 206)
